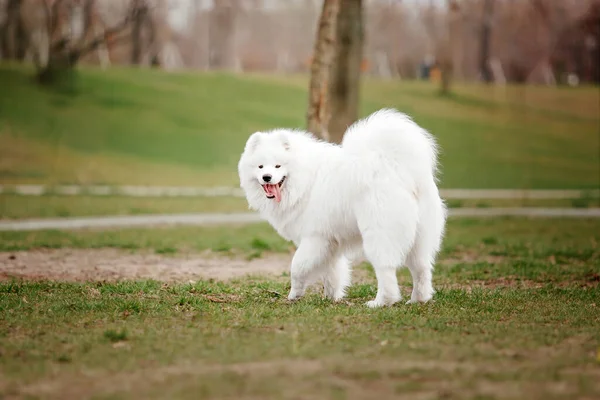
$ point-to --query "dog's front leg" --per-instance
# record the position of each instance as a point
(312, 253)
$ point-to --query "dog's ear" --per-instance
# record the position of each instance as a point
(253, 142)
(285, 140)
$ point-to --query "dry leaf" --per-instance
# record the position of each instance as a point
(214, 299)
(120, 345)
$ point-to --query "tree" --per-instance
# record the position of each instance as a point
(449, 45)
(66, 49)
(13, 39)
(222, 32)
(143, 20)
(56, 34)
(484, 52)
(136, 30)
(440, 28)
(346, 69)
(318, 114)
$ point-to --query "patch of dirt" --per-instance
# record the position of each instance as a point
(470, 256)
(114, 265)
(494, 283)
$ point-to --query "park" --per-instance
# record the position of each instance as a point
(132, 268)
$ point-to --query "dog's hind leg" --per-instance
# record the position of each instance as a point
(427, 243)
(387, 240)
(420, 263)
(421, 271)
(337, 278)
(313, 254)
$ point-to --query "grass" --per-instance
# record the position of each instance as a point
(507, 235)
(146, 127)
(185, 239)
(146, 340)
(20, 206)
(516, 316)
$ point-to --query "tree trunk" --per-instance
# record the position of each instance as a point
(318, 114)
(88, 20)
(141, 19)
(447, 50)
(140, 15)
(64, 51)
(153, 39)
(484, 55)
(447, 71)
(222, 31)
(14, 38)
(345, 75)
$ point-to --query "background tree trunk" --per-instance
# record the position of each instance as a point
(141, 13)
(14, 37)
(153, 39)
(486, 29)
(222, 31)
(318, 114)
(447, 50)
(345, 75)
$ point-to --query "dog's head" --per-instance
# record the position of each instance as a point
(264, 165)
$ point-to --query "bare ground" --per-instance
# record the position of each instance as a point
(110, 265)
(100, 265)
(114, 265)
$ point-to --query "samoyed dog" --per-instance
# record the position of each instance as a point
(373, 196)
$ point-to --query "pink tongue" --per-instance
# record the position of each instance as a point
(274, 190)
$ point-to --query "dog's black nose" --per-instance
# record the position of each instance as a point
(267, 178)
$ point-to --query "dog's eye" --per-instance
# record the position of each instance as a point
(260, 166)
(277, 166)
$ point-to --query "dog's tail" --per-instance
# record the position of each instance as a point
(397, 138)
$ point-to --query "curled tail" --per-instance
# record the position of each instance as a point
(395, 136)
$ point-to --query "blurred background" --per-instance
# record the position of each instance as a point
(116, 101)
(514, 41)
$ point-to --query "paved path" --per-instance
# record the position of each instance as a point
(248, 218)
(163, 191)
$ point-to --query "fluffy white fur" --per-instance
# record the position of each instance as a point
(375, 196)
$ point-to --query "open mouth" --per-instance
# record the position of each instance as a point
(273, 190)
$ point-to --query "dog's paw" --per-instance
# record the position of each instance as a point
(421, 294)
(335, 296)
(375, 304)
(383, 302)
(419, 297)
(293, 295)
(339, 296)
(336, 299)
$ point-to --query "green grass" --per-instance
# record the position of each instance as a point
(147, 340)
(47, 206)
(18, 206)
(186, 239)
(148, 127)
(505, 235)
(516, 315)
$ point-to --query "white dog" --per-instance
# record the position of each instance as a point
(376, 192)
